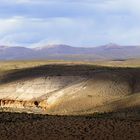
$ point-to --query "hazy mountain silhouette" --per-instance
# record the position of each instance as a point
(65, 52)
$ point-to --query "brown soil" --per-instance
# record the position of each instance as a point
(14, 126)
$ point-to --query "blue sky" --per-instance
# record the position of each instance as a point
(85, 23)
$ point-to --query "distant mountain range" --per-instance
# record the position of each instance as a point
(65, 52)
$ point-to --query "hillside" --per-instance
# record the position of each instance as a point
(69, 88)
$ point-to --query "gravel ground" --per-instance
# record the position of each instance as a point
(22, 126)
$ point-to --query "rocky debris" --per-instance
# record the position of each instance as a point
(19, 126)
(23, 104)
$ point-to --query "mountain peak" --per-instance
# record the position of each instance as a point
(52, 46)
(111, 46)
(66, 52)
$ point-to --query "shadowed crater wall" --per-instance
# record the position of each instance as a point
(56, 87)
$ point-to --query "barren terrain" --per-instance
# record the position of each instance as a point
(40, 127)
(67, 88)
(101, 100)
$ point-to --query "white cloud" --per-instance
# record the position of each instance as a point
(8, 25)
(78, 23)
(56, 30)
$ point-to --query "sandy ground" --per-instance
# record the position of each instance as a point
(14, 126)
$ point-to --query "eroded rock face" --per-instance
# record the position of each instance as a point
(23, 104)
(16, 103)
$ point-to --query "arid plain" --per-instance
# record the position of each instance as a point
(70, 100)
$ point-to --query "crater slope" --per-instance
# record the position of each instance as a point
(70, 89)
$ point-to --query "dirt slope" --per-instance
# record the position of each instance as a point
(65, 89)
